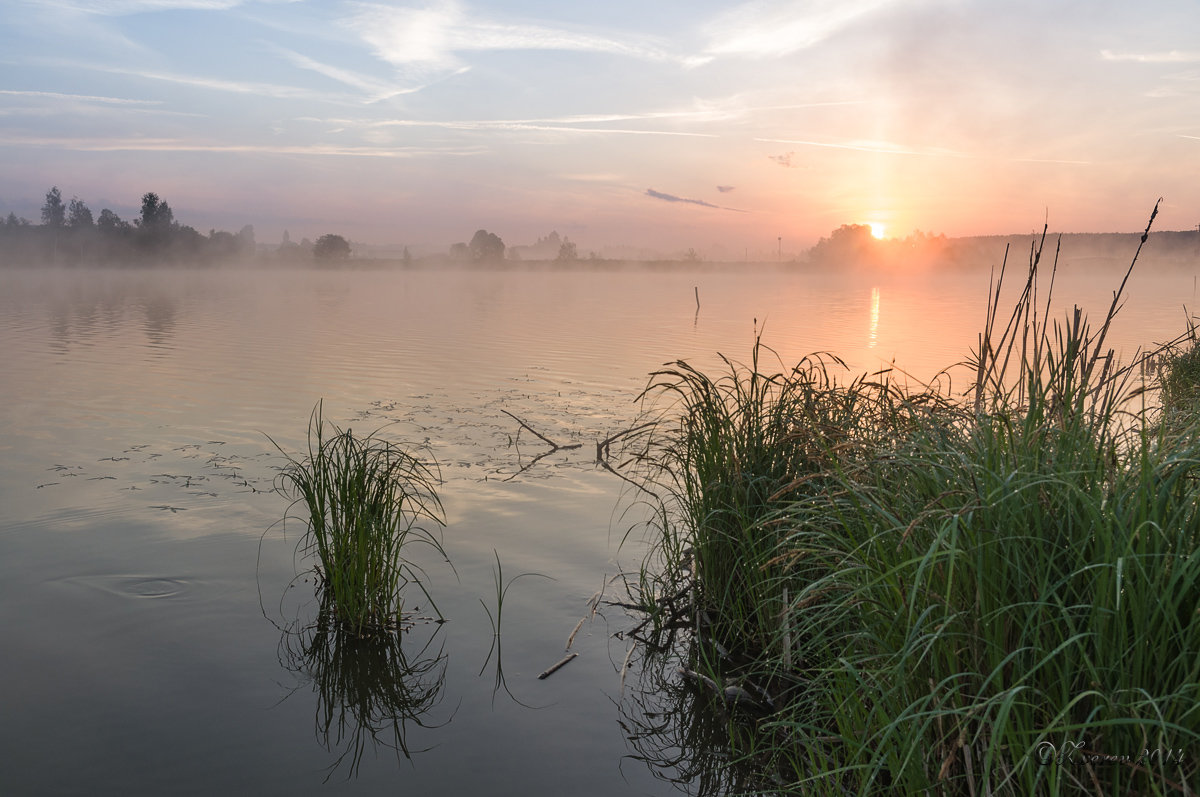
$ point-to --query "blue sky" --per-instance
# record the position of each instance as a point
(720, 126)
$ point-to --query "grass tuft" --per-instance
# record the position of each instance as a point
(365, 498)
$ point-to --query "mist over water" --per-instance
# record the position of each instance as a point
(136, 480)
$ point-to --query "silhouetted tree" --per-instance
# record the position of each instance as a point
(847, 245)
(567, 252)
(54, 212)
(156, 213)
(329, 248)
(110, 222)
(78, 214)
(486, 247)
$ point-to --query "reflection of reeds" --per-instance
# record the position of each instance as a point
(364, 498)
(682, 732)
(929, 591)
(369, 691)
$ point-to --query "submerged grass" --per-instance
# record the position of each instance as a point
(365, 498)
(993, 594)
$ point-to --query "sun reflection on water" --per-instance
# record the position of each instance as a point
(873, 324)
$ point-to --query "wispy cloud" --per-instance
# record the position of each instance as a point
(772, 28)
(725, 189)
(115, 8)
(217, 84)
(650, 192)
(1168, 57)
(785, 160)
(434, 36)
(54, 95)
(177, 145)
(517, 125)
(374, 89)
(884, 147)
(1051, 160)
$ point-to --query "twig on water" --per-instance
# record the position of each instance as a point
(553, 445)
(556, 667)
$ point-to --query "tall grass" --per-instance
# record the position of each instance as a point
(364, 498)
(992, 594)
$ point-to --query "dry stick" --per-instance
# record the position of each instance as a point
(554, 668)
(625, 665)
(604, 464)
(603, 446)
(571, 638)
(541, 436)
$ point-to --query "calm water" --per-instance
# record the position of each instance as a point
(144, 587)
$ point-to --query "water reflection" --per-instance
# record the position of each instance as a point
(684, 731)
(371, 692)
(873, 324)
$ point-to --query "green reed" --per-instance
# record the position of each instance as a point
(365, 498)
(994, 595)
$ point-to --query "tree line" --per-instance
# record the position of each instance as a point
(70, 235)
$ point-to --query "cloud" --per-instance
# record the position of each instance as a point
(773, 28)
(123, 7)
(232, 86)
(375, 89)
(650, 192)
(434, 36)
(518, 125)
(1169, 57)
(725, 189)
(785, 160)
(884, 147)
(54, 95)
(178, 145)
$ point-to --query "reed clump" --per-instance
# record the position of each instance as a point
(365, 499)
(997, 593)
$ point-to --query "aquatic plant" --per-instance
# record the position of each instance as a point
(365, 498)
(993, 594)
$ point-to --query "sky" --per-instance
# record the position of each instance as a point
(738, 129)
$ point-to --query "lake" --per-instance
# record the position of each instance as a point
(149, 595)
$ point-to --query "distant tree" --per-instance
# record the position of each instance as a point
(288, 249)
(78, 214)
(54, 212)
(460, 251)
(221, 245)
(330, 248)
(567, 252)
(848, 244)
(245, 241)
(156, 213)
(407, 257)
(111, 222)
(486, 247)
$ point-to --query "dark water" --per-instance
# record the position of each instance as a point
(153, 624)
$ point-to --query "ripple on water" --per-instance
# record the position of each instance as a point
(139, 587)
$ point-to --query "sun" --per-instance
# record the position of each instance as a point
(878, 230)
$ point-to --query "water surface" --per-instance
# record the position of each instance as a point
(145, 581)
